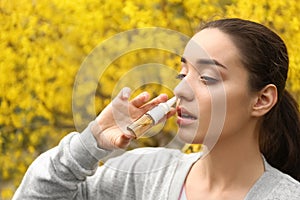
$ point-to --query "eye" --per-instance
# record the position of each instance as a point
(180, 76)
(208, 80)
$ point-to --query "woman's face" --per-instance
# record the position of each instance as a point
(214, 96)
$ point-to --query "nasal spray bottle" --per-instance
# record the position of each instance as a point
(151, 118)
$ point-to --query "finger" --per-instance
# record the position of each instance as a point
(159, 99)
(120, 103)
(129, 135)
(171, 113)
(123, 141)
(140, 100)
(124, 94)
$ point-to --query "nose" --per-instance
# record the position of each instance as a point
(184, 91)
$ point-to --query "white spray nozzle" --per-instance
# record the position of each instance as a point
(171, 102)
(158, 112)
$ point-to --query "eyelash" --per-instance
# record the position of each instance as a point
(206, 79)
(180, 76)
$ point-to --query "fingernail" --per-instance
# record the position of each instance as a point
(126, 92)
(145, 95)
(129, 136)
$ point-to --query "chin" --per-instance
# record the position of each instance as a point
(189, 136)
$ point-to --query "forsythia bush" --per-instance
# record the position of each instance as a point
(43, 44)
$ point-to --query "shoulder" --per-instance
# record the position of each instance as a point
(274, 184)
(285, 187)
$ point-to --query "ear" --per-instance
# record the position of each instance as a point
(264, 100)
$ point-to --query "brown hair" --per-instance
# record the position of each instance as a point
(265, 56)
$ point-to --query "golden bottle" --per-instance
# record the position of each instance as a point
(151, 118)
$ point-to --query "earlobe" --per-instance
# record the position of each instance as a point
(265, 100)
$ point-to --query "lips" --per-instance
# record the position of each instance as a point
(184, 117)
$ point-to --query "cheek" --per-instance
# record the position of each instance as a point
(205, 114)
(238, 114)
(205, 106)
(223, 112)
(212, 116)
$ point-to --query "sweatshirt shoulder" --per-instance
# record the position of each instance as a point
(286, 187)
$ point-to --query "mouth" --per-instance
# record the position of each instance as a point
(184, 117)
(185, 114)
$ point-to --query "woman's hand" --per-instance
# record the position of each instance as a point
(109, 128)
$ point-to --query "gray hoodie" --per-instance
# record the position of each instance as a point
(71, 171)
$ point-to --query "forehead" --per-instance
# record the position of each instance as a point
(211, 44)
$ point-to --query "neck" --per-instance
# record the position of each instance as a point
(234, 162)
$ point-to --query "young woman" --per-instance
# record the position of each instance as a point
(234, 101)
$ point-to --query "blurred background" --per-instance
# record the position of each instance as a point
(44, 42)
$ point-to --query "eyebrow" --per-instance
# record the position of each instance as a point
(206, 62)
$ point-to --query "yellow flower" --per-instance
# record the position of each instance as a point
(43, 44)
